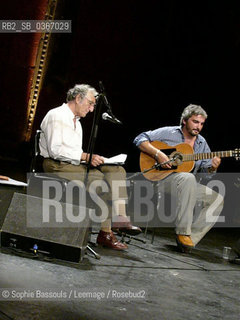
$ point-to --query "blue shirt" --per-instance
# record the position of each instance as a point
(173, 136)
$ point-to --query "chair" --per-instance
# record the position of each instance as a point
(36, 178)
(157, 199)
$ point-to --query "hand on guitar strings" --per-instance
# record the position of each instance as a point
(161, 157)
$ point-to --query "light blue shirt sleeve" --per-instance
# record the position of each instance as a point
(170, 135)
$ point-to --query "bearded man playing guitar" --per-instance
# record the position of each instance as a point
(190, 229)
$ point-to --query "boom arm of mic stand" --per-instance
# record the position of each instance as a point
(104, 96)
(157, 165)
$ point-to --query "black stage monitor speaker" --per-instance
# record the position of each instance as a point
(37, 225)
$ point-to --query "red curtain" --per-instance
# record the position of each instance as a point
(17, 55)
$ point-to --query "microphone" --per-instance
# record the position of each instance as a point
(106, 116)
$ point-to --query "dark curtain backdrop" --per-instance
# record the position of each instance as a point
(153, 57)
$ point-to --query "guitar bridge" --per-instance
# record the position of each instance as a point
(160, 168)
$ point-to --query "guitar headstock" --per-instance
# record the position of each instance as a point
(236, 153)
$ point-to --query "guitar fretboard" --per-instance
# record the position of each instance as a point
(208, 155)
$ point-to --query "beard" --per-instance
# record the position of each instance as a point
(192, 132)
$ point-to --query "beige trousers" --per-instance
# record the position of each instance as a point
(108, 178)
(197, 206)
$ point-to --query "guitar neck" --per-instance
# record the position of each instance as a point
(208, 155)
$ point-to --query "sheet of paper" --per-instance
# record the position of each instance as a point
(120, 158)
(13, 182)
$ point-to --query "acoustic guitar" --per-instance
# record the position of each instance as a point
(182, 159)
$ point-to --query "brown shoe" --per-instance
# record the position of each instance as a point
(184, 243)
(121, 224)
(107, 239)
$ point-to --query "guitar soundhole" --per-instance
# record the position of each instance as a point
(168, 152)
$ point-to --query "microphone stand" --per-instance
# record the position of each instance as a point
(93, 137)
(155, 166)
(101, 100)
(94, 132)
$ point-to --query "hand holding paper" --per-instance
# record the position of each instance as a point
(4, 178)
(13, 182)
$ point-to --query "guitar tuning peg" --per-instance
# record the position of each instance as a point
(237, 153)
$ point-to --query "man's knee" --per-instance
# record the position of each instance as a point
(187, 179)
(215, 197)
(114, 169)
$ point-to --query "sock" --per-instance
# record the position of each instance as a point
(106, 225)
(119, 207)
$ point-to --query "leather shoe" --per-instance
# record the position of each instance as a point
(121, 224)
(184, 243)
(107, 239)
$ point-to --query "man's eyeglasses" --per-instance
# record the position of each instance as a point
(91, 103)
